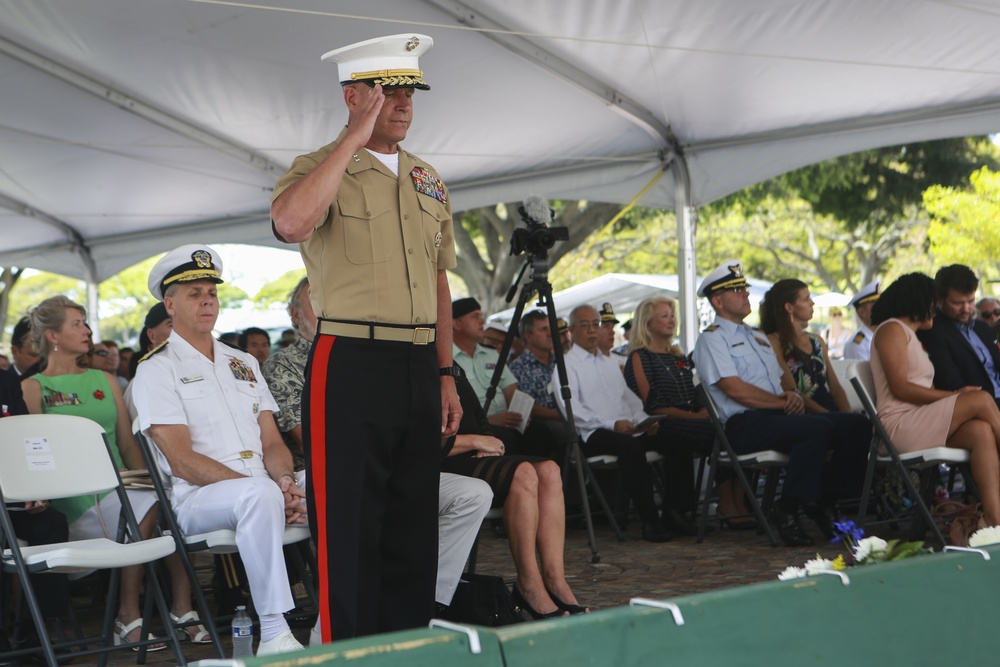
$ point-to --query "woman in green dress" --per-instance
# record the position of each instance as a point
(60, 333)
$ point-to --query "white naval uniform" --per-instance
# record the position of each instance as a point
(860, 344)
(462, 505)
(220, 403)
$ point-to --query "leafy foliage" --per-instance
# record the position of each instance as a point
(965, 225)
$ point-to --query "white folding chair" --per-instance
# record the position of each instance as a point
(843, 369)
(767, 462)
(221, 541)
(921, 460)
(63, 456)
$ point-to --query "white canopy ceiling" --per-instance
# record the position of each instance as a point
(130, 126)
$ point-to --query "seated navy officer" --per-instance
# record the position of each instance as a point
(740, 370)
(209, 411)
(860, 345)
(606, 336)
(960, 346)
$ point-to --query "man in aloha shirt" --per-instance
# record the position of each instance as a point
(547, 433)
(285, 371)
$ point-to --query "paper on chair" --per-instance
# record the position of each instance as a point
(522, 403)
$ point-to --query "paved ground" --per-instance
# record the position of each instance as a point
(626, 569)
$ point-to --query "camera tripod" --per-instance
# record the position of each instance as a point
(539, 285)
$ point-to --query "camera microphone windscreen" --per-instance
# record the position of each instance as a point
(536, 208)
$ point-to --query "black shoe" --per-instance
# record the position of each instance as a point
(739, 524)
(789, 530)
(28, 638)
(677, 523)
(566, 606)
(522, 604)
(818, 514)
(652, 531)
(5, 647)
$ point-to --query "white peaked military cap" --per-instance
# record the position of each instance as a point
(867, 294)
(728, 275)
(391, 61)
(186, 264)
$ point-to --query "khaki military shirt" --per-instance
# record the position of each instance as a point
(375, 255)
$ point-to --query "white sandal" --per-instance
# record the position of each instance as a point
(122, 631)
(200, 635)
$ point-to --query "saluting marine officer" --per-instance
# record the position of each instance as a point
(374, 227)
(860, 344)
(741, 372)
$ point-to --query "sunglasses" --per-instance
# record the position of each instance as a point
(101, 353)
(990, 313)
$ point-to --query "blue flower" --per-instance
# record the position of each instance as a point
(845, 528)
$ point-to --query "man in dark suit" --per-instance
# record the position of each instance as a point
(961, 347)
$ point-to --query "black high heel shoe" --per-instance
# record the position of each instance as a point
(523, 605)
(565, 606)
(738, 524)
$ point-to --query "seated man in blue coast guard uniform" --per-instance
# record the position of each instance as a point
(742, 375)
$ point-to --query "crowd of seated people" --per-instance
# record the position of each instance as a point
(932, 347)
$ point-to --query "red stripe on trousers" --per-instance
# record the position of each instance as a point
(317, 445)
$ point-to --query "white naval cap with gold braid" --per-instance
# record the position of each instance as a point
(186, 264)
(391, 61)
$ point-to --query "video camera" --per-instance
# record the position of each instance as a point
(537, 238)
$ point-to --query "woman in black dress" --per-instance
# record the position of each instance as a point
(659, 373)
(530, 491)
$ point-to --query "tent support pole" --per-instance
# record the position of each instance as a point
(687, 223)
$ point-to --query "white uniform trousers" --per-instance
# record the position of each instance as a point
(462, 504)
(255, 509)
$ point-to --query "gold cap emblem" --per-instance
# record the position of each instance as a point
(412, 43)
(202, 258)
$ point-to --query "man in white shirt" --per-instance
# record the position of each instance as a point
(605, 412)
(209, 411)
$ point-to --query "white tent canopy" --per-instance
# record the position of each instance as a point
(128, 127)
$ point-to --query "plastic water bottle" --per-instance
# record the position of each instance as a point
(242, 634)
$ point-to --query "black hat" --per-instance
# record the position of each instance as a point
(627, 325)
(462, 307)
(156, 315)
(608, 314)
(21, 329)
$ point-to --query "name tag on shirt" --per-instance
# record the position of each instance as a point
(193, 378)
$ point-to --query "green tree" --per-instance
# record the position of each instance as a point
(482, 239)
(965, 224)
(865, 211)
(276, 292)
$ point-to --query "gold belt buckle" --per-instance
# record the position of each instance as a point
(246, 455)
(422, 336)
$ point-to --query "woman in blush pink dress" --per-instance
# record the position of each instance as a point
(915, 414)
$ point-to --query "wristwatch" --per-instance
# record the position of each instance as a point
(453, 371)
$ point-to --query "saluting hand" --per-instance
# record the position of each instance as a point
(364, 107)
